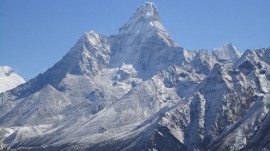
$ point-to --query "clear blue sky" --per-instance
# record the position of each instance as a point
(35, 34)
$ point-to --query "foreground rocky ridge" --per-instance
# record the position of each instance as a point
(138, 90)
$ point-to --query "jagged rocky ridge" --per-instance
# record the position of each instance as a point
(138, 90)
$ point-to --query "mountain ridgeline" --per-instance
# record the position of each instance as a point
(139, 90)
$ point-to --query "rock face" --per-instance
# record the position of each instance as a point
(9, 79)
(138, 90)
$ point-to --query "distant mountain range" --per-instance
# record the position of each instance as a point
(139, 90)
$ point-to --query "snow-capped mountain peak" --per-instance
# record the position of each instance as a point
(227, 52)
(146, 21)
(9, 79)
(144, 18)
(151, 10)
(137, 90)
(146, 13)
(5, 71)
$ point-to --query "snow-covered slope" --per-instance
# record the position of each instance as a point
(138, 90)
(9, 79)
